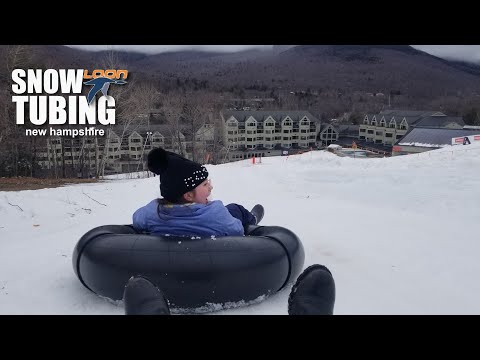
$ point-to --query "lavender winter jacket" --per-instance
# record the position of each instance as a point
(187, 219)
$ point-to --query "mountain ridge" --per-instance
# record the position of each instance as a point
(329, 79)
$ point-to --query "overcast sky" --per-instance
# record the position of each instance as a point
(155, 49)
(457, 52)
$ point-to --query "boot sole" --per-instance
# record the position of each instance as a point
(307, 271)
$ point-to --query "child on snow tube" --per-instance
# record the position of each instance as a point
(185, 209)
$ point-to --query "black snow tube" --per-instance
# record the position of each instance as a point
(194, 273)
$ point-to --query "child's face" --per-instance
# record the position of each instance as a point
(202, 192)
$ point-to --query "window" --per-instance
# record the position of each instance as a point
(305, 121)
(232, 123)
(393, 123)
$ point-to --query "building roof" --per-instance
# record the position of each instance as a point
(325, 126)
(432, 137)
(410, 119)
(348, 130)
(409, 113)
(439, 121)
(262, 115)
(418, 118)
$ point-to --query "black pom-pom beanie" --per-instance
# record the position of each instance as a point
(177, 174)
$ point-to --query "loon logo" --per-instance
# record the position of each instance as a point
(101, 80)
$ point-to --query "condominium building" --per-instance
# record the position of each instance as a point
(389, 126)
(327, 135)
(268, 133)
(122, 149)
(241, 135)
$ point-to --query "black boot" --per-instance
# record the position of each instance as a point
(142, 297)
(258, 212)
(313, 292)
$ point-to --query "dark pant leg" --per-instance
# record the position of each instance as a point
(239, 212)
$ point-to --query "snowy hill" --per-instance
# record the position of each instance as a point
(399, 234)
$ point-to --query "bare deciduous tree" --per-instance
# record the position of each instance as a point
(172, 108)
(197, 113)
(131, 101)
(15, 148)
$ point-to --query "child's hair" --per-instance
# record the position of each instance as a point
(161, 202)
(180, 200)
